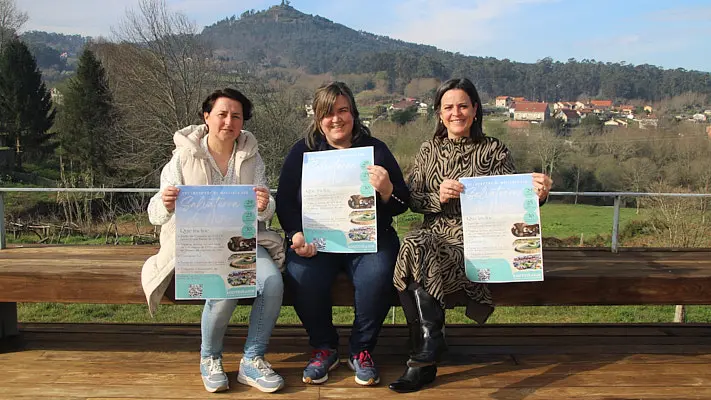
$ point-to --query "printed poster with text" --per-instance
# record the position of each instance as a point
(338, 201)
(216, 242)
(502, 229)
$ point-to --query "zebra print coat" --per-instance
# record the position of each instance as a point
(433, 255)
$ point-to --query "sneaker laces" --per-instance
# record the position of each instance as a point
(317, 356)
(364, 359)
(263, 366)
(214, 366)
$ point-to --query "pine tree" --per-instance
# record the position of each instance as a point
(86, 121)
(26, 111)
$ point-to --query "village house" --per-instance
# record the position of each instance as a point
(402, 105)
(531, 111)
(648, 122)
(503, 101)
(626, 109)
(617, 122)
(569, 117)
(601, 104)
(519, 127)
(699, 118)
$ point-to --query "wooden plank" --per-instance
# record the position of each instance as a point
(111, 274)
(51, 365)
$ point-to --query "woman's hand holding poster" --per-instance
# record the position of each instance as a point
(502, 229)
(216, 242)
(338, 201)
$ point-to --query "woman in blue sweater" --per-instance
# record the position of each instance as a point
(311, 274)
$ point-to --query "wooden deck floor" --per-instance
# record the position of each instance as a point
(55, 361)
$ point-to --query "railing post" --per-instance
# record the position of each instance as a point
(2, 221)
(616, 223)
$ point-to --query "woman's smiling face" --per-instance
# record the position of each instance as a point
(337, 126)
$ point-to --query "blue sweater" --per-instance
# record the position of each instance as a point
(288, 197)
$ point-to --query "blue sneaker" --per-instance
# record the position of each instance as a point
(259, 374)
(322, 361)
(213, 375)
(366, 373)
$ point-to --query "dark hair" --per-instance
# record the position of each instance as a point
(230, 93)
(476, 131)
(324, 99)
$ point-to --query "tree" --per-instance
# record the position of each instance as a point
(11, 20)
(26, 111)
(401, 117)
(159, 74)
(87, 121)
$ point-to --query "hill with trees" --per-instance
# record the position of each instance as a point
(282, 36)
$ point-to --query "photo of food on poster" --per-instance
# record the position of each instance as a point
(338, 202)
(216, 242)
(502, 229)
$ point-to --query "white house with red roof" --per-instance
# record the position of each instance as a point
(531, 111)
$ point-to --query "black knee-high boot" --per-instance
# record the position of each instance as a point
(413, 378)
(431, 316)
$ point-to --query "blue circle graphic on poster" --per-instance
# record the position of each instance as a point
(248, 217)
(248, 232)
(530, 218)
(366, 190)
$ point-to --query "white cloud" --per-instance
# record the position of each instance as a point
(457, 26)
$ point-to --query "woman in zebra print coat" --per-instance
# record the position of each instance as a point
(430, 264)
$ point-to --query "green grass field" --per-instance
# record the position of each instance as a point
(558, 220)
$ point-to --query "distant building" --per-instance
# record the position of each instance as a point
(601, 104)
(503, 101)
(626, 109)
(648, 109)
(402, 105)
(309, 110)
(570, 117)
(531, 111)
(699, 118)
(519, 127)
(648, 122)
(617, 122)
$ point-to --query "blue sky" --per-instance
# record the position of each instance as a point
(670, 34)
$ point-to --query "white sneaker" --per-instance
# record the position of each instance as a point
(259, 374)
(213, 375)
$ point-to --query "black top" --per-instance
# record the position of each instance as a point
(288, 197)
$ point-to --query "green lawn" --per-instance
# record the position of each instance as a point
(85, 313)
(572, 220)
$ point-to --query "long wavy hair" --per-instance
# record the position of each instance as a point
(324, 99)
(476, 131)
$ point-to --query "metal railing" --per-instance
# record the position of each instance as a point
(617, 196)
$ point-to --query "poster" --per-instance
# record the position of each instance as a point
(338, 201)
(502, 229)
(216, 242)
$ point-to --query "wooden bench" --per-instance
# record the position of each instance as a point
(573, 276)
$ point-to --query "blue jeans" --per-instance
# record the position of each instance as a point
(311, 280)
(265, 311)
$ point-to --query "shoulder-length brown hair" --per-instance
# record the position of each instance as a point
(324, 99)
(476, 131)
